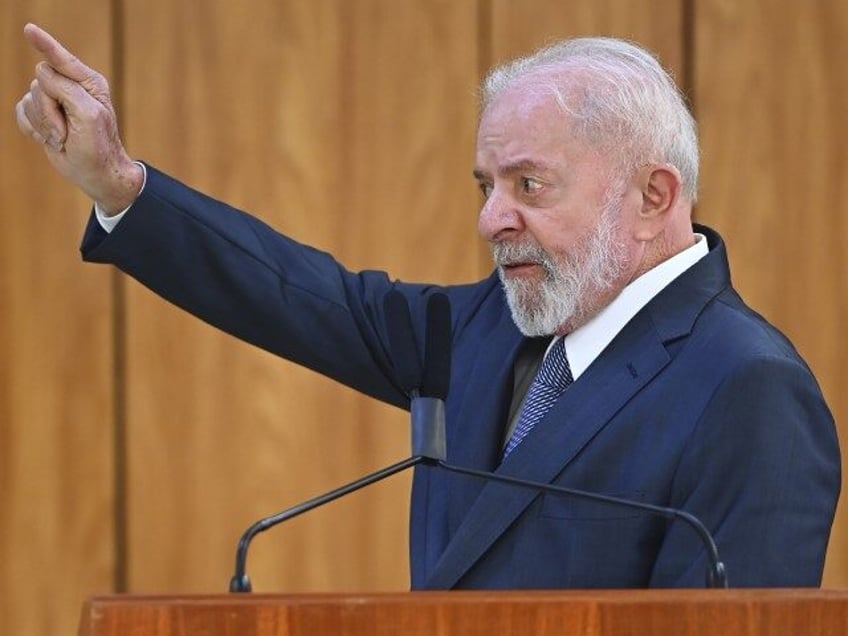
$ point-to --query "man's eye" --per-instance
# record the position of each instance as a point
(529, 185)
(486, 189)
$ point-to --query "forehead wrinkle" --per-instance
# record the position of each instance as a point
(520, 166)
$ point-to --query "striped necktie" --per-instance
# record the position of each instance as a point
(553, 378)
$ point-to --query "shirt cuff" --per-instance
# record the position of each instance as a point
(108, 223)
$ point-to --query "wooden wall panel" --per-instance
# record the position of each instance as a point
(350, 125)
(519, 27)
(772, 100)
(56, 494)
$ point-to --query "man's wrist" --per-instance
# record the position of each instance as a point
(109, 221)
(130, 185)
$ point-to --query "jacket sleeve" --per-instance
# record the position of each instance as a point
(238, 274)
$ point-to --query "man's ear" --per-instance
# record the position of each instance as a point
(661, 186)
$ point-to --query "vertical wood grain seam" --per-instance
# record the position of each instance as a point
(687, 82)
(119, 340)
(484, 37)
(485, 47)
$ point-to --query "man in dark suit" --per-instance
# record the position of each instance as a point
(609, 352)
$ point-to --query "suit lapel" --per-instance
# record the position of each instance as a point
(630, 362)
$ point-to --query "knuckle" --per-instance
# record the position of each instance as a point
(29, 110)
(39, 99)
(103, 117)
(25, 125)
(97, 85)
(21, 117)
(43, 120)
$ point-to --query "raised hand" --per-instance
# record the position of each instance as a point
(69, 110)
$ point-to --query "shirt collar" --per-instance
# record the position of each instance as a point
(586, 343)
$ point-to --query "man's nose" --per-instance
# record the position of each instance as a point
(500, 217)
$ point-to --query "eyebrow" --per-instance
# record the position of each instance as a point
(509, 169)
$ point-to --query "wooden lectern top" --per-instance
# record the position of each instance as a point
(621, 612)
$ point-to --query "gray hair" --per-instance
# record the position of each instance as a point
(619, 97)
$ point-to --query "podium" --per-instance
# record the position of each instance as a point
(620, 612)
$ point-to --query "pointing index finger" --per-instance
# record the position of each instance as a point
(56, 55)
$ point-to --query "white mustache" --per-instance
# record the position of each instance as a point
(506, 254)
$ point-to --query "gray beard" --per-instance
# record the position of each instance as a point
(567, 296)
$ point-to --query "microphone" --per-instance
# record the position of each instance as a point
(716, 571)
(427, 410)
(402, 345)
(437, 352)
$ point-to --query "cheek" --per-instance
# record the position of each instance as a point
(561, 237)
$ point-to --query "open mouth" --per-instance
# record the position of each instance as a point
(520, 269)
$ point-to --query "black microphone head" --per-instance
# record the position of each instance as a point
(402, 344)
(437, 350)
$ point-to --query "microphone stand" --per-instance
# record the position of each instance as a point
(428, 446)
(240, 581)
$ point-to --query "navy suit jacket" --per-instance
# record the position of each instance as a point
(698, 403)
